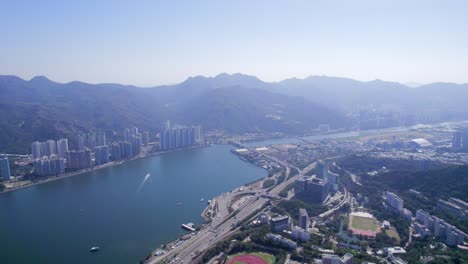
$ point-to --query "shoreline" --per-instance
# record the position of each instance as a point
(95, 168)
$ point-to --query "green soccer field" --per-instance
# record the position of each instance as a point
(364, 223)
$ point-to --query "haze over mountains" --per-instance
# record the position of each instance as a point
(40, 108)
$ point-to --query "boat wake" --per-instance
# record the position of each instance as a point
(142, 184)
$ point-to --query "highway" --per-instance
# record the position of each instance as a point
(221, 225)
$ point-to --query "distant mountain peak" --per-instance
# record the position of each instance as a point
(225, 80)
(40, 78)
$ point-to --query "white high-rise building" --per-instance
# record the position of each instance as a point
(52, 147)
(394, 201)
(5, 169)
(81, 142)
(62, 147)
(134, 131)
(303, 219)
(101, 138)
(36, 150)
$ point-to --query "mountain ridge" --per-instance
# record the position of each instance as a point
(39, 109)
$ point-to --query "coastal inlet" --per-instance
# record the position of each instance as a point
(112, 209)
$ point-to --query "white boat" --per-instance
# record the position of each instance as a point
(202, 199)
(189, 227)
(209, 201)
(94, 249)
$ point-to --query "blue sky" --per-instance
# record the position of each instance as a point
(160, 42)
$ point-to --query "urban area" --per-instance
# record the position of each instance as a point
(333, 197)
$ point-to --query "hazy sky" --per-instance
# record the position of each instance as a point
(156, 42)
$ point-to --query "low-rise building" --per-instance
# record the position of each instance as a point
(281, 240)
(264, 218)
(454, 207)
(280, 223)
(406, 214)
(334, 259)
(421, 230)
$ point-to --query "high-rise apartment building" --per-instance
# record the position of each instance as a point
(101, 155)
(126, 149)
(41, 149)
(136, 141)
(321, 170)
(79, 159)
(303, 219)
(62, 148)
(100, 138)
(394, 201)
(36, 150)
(180, 137)
(5, 169)
(49, 166)
(145, 139)
(116, 153)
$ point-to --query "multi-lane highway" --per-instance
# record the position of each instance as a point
(222, 224)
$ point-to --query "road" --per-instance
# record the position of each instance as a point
(221, 225)
(214, 232)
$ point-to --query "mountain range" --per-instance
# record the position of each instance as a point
(40, 109)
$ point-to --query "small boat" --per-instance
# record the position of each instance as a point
(93, 249)
(202, 199)
(209, 201)
(179, 204)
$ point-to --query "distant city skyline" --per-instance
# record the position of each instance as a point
(156, 43)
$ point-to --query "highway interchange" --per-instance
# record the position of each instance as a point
(223, 223)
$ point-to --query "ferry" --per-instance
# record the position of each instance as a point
(94, 249)
(189, 227)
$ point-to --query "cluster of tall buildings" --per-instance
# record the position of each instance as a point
(53, 157)
(427, 224)
(49, 148)
(49, 166)
(311, 189)
(101, 155)
(4, 169)
(79, 159)
(49, 157)
(180, 136)
(91, 140)
(460, 139)
(282, 222)
(131, 146)
(317, 187)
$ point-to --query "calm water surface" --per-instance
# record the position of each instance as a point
(59, 221)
